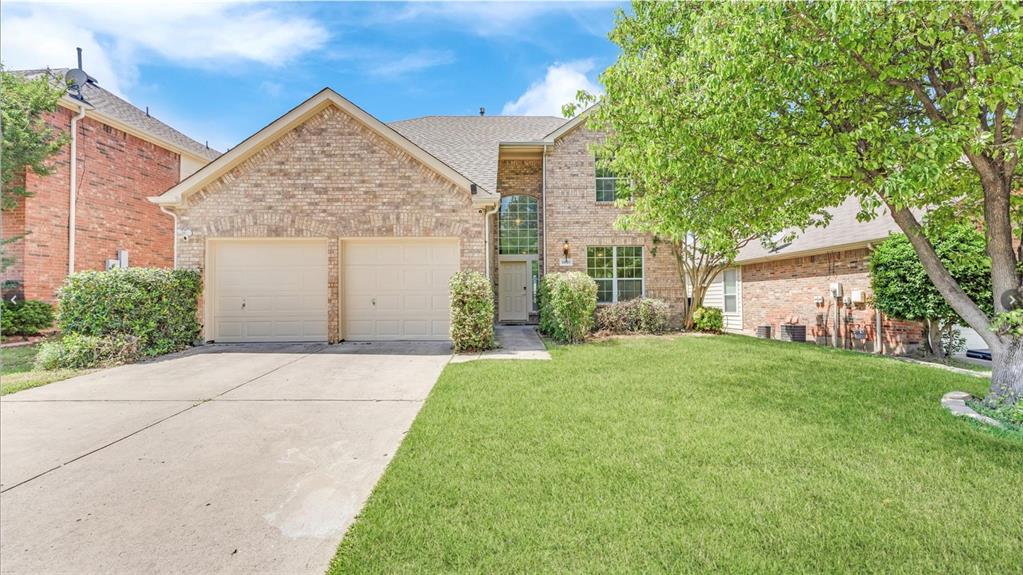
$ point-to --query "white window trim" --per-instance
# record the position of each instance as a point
(614, 271)
(724, 290)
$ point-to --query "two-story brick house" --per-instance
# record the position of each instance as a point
(329, 224)
(122, 156)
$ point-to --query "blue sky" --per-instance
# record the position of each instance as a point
(221, 71)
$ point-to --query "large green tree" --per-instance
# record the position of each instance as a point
(686, 181)
(28, 141)
(910, 107)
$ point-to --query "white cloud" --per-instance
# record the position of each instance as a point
(116, 36)
(559, 87)
(414, 62)
(496, 19)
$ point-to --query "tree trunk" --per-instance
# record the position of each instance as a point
(1007, 373)
(934, 346)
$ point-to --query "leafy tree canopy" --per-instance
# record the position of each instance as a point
(28, 142)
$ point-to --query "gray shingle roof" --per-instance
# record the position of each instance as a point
(842, 231)
(469, 144)
(107, 104)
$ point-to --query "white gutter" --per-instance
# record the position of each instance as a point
(74, 190)
(543, 208)
(175, 236)
(486, 235)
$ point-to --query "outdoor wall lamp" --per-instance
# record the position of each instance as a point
(564, 249)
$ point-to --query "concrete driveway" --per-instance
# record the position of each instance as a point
(236, 459)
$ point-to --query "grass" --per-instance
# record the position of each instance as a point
(693, 455)
(16, 372)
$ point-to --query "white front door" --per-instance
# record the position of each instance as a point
(268, 290)
(397, 289)
(513, 285)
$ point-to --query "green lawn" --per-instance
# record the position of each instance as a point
(16, 370)
(694, 454)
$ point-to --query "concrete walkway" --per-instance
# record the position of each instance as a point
(514, 342)
(227, 459)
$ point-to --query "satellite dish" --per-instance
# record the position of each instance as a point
(76, 77)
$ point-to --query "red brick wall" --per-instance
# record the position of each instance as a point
(783, 291)
(116, 173)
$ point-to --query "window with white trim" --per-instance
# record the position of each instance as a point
(519, 232)
(618, 271)
(731, 289)
(607, 183)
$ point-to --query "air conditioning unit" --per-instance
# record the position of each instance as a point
(859, 296)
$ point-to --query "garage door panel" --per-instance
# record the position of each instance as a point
(282, 284)
(408, 279)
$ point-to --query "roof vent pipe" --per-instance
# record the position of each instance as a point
(79, 58)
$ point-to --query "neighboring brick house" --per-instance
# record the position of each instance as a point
(123, 157)
(330, 225)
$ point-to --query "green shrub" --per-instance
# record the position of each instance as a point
(25, 317)
(708, 319)
(654, 315)
(472, 312)
(645, 315)
(567, 303)
(156, 306)
(77, 351)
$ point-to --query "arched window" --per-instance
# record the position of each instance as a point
(520, 226)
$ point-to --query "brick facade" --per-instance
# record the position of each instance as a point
(516, 177)
(331, 177)
(116, 173)
(574, 214)
(783, 291)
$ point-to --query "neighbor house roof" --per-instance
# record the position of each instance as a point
(297, 116)
(108, 105)
(843, 232)
(471, 144)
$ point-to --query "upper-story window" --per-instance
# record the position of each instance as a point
(606, 184)
(519, 226)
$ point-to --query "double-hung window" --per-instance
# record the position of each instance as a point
(606, 185)
(618, 271)
(731, 285)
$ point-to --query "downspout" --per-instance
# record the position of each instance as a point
(175, 235)
(486, 235)
(543, 208)
(74, 190)
(878, 338)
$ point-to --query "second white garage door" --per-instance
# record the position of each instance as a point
(397, 289)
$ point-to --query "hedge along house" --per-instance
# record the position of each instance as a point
(92, 210)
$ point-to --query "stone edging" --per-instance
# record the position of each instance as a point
(955, 402)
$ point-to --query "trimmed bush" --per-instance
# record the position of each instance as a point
(77, 351)
(25, 317)
(654, 315)
(472, 312)
(708, 319)
(156, 306)
(567, 303)
(621, 317)
(640, 315)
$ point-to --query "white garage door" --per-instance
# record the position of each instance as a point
(397, 289)
(269, 290)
